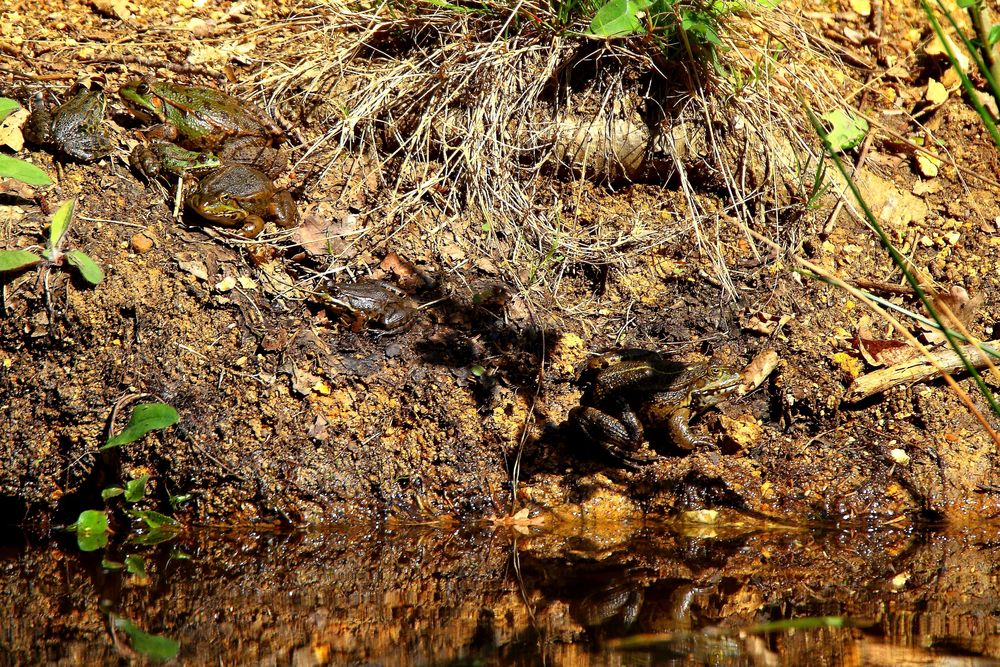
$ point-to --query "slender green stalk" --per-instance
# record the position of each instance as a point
(970, 89)
(983, 37)
(901, 261)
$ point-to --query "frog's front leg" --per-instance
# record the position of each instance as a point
(620, 434)
(680, 431)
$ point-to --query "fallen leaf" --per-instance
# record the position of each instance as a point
(928, 164)
(322, 236)
(936, 92)
(757, 370)
(10, 129)
(765, 323)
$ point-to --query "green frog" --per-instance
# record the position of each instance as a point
(74, 127)
(640, 388)
(236, 195)
(371, 302)
(207, 133)
(205, 119)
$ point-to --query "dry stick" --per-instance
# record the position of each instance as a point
(915, 370)
(861, 296)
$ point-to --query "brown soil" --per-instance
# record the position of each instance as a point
(288, 415)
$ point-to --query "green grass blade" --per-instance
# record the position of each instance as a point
(899, 260)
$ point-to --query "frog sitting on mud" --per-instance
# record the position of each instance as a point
(371, 303)
(635, 389)
(74, 127)
(204, 131)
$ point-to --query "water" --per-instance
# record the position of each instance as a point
(621, 595)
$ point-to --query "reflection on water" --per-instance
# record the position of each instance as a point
(647, 595)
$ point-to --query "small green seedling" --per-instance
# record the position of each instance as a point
(91, 530)
(146, 417)
(152, 647)
(12, 167)
(16, 260)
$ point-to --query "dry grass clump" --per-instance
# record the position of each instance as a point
(488, 113)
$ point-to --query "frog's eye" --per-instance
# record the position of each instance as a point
(142, 88)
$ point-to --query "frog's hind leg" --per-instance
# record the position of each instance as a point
(620, 436)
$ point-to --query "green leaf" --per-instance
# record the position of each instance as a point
(15, 260)
(91, 530)
(111, 492)
(619, 18)
(111, 564)
(847, 130)
(477, 370)
(60, 223)
(994, 35)
(12, 167)
(135, 565)
(154, 536)
(88, 268)
(146, 417)
(154, 647)
(7, 107)
(135, 489)
(179, 499)
(965, 4)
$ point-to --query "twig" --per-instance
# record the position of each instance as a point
(914, 370)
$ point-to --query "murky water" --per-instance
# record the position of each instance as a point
(455, 596)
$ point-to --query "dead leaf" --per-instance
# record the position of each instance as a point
(12, 186)
(961, 305)
(321, 236)
(936, 93)
(757, 370)
(10, 129)
(765, 323)
(407, 275)
(882, 352)
(929, 165)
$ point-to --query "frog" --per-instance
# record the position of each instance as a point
(161, 157)
(205, 119)
(236, 195)
(638, 388)
(204, 133)
(74, 127)
(368, 302)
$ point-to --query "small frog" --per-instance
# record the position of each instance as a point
(205, 119)
(236, 195)
(159, 157)
(643, 388)
(371, 302)
(74, 127)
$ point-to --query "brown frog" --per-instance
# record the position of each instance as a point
(371, 303)
(643, 388)
(236, 195)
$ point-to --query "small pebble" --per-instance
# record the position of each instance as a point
(393, 350)
(141, 243)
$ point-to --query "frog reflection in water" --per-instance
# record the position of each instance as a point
(237, 190)
(371, 303)
(74, 127)
(643, 388)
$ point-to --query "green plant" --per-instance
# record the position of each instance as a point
(661, 19)
(12, 167)
(53, 255)
(980, 49)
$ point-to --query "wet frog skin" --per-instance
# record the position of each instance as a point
(237, 190)
(196, 117)
(74, 127)
(647, 389)
(240, 196)
(372, 303)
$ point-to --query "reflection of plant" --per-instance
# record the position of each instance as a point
(12, 167)
(53, 255)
